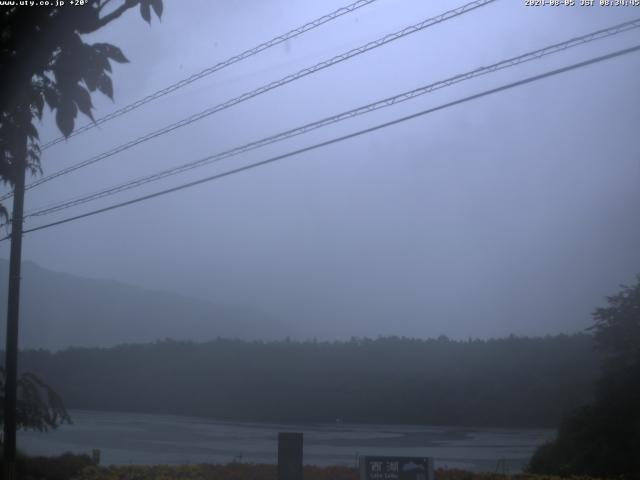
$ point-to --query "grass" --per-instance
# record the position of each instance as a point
(265, 472)
(63, 467)
(81, 467)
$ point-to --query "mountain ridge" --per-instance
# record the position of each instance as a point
(60, 310)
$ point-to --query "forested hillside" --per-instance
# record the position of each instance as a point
(507, 382)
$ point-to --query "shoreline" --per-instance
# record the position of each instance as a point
(147, 439)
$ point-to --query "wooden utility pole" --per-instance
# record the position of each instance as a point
(13, 306)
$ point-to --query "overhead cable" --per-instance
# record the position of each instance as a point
(265, 88)
(386, 102)
(359, 133)
(218, 66)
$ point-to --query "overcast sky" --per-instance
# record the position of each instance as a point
(516, 213)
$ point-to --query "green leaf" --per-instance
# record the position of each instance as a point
(145, 11)
(52, 97)
(157, 7)
(111, 51)
(102, 61)
(32, 132)
(105, 85)
(83, 101)
(38, 103)
(90, 78)
(65, 116)
(87, 19)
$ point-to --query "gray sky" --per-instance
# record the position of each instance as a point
(515, 213)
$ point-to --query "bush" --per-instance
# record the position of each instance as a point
(63, 467)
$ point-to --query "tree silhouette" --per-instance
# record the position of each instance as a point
(603, 439)
(44, 59)
(617, 329)
(39, 406)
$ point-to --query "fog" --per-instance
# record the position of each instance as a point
(512, 214)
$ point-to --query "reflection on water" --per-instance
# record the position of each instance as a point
(127, 438)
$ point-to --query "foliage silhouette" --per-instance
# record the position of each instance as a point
(603, 439)
(39, 407)
(44, 60)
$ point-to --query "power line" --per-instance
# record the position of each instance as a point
(218, 66)
(534, 55)
(265, 88)
(485, 93)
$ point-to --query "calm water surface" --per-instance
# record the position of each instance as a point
(131, 438)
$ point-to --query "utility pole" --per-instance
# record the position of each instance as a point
(13, 306)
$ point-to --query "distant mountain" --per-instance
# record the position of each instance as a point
(58, 310)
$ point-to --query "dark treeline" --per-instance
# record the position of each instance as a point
(602, 439)
(509, 382)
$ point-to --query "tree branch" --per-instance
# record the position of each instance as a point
(116, 13)
(104, 4)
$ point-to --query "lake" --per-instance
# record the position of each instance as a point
(133, 438)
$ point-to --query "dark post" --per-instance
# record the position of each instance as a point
(289, 456)
(13, 304)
